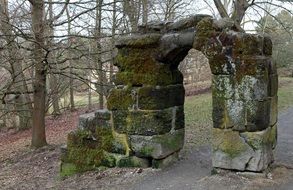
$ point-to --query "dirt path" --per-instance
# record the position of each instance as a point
(28, 169)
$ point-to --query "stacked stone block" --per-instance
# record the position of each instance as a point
(244, 88)
(147, 102)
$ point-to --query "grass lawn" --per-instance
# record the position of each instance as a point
(198, 112)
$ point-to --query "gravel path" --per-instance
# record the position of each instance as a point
(193, 171)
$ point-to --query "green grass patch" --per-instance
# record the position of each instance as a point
(285, 93)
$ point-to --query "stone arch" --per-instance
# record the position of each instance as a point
(145, 121)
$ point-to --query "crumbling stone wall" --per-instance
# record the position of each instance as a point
(144, 123)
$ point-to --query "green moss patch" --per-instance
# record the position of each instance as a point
(229, 142)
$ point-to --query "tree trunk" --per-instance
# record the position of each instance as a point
(145, 11)
(71, 89)
(114, 24)
(53, 81)
(130, 10)
(100, 86)
(240, 7)
(39, 83)
(89, 95)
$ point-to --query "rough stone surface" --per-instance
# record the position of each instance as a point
(165, 162)
(87, 121)
(113, 160)
(159, 146)
(240, 115)
(156, 97)
(145, 122)
(247, 89)
(252, 151)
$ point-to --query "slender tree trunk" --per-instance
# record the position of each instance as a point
(89, 95)
(71, 89)
(100, 86)
(39, 83)
(114, 24)
(145, 11)
(53, 79)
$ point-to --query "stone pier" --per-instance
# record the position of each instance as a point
(144, 123)
(244, 89)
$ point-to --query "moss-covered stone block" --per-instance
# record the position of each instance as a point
(105, 135)
(119, 119)
(110, 159)
(273, 85)
(120, 99)
(205, 31)
(263, 143)
(158, 146)
(85, 148)
(121, 144)
(160, 97)
(259, 139)
(247, 44)
(155, 78)
(139, 41)
(250, 151)
(83, 151)
(87, 122)
(165, 162)
(134, 161)
(252, 65)
(82, 138)
(149, 123)
(137, 60)
(179, 117)
(229, 142)
(103, 114)
(220, 64)
(118, 160)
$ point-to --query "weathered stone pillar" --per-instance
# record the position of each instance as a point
(244, 91)
(147, 103)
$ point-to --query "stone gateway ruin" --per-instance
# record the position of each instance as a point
(144, 123)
